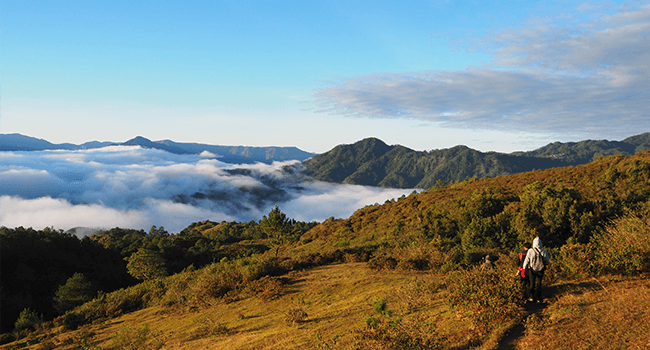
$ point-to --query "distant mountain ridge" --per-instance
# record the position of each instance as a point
(371, 162)
(228, 154)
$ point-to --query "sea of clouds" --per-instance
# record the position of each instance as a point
(132, 187)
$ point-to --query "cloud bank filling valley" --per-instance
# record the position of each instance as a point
(133, 187)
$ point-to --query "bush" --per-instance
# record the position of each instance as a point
(114, 304)
(140, 338)
(414, 264)
(295, 315)
(72, 320)
(6, 338)
(380, 307)
(624, 246)
(215, 281)
(209, 327)
(570, 261)
(487, 298)
(382, 263)
(27, 319)
(266, 288)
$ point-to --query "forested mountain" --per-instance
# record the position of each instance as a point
(242, 154)
(585, 151)
(228, 154)
(371, 162)
(251, 282)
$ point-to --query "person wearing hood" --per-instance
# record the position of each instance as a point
(535, 264)
(488, 265)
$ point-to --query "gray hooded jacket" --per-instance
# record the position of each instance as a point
(536, 258)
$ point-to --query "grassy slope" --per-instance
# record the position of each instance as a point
(382, 223)
(592, 314)
(607, 314)
(338, 298)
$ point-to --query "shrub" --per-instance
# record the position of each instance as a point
(27, 319)
(414, 264)
(140, 338)
(72, 320)
(6, 338)
(114, 304)
(382, 263)
(487, 298)
(209, 327)
(48, 344)
(380, 307)
(624, 246)
(295, 315)
(382, 331)
(84, 339)
(266, 288)
(215, 281)
(570, 261)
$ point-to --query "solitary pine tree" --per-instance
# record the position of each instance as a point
(277, 227)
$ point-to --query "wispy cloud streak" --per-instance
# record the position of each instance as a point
(563, 76)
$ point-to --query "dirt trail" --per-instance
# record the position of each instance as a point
(508, 342)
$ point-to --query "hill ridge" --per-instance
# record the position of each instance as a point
(395, 259)
(364, 163)
(228, 154)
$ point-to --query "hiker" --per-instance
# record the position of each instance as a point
(521, 272)
(534, 265)
(488, 265)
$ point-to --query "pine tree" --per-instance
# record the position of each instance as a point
(277, 227)
(76, 291)
(146, 264)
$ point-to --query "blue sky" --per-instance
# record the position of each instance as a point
(491, 75)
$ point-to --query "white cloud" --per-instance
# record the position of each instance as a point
(207, 154)
(46, 212)
(325, 200)
(581, 78)
(138, 188)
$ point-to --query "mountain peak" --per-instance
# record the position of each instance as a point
(138, 140)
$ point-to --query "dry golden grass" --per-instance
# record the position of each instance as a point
(336, 299)
(604, 315)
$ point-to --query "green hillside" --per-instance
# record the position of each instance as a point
(400, 275)
(371, 162)
(585, 151)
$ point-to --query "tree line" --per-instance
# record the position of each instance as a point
(49, 271)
